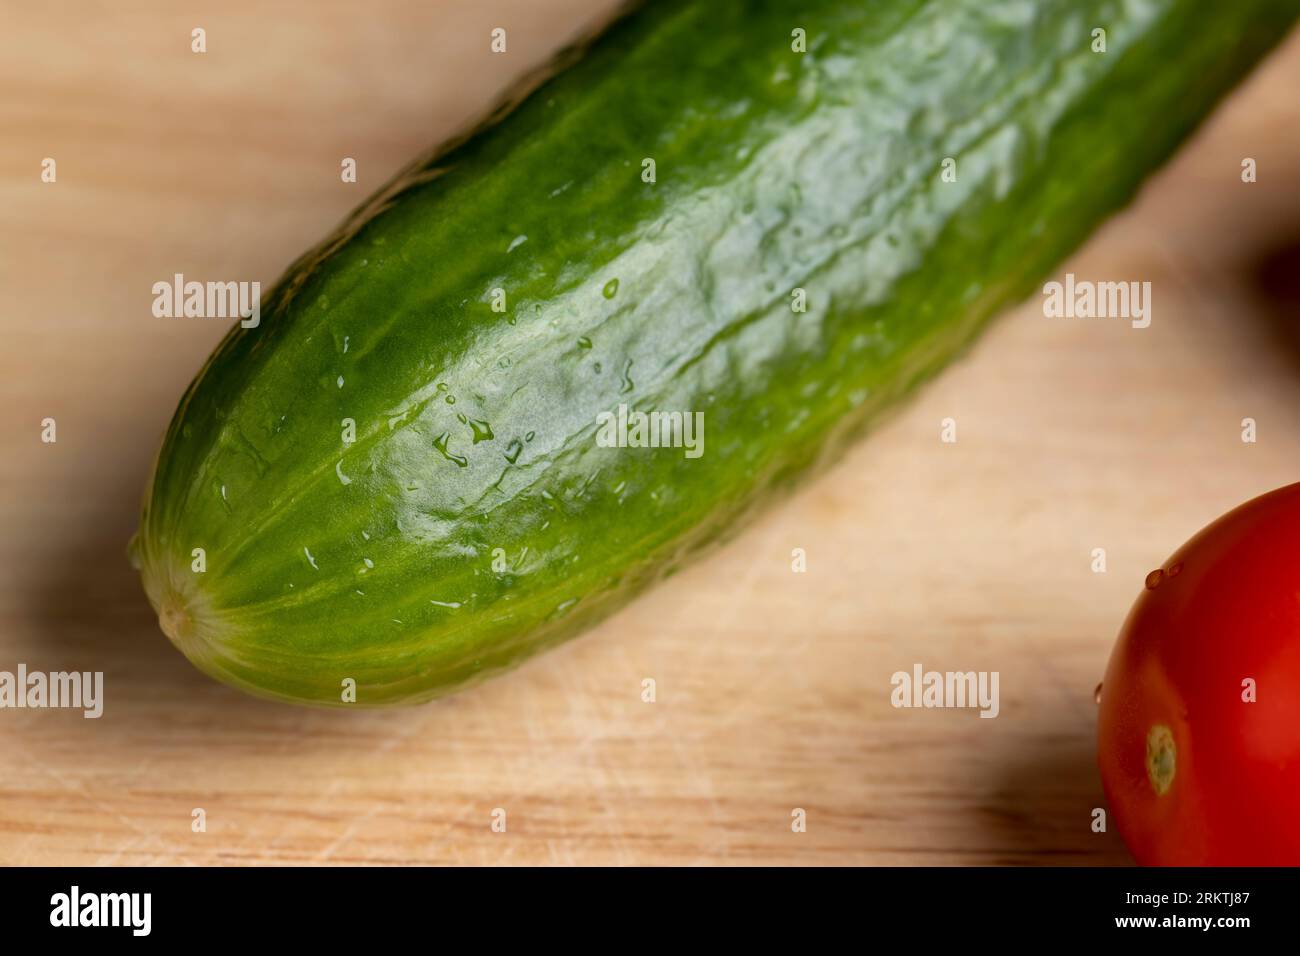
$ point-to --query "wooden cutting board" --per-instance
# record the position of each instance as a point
(772, 686)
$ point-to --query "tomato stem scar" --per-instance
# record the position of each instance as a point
(1161, 754)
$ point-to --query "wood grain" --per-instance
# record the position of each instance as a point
(773, 687)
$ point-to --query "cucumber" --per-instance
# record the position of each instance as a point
(397, 482)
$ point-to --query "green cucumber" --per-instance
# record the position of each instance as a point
(480, 318)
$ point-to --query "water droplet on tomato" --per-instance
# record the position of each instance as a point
(1154, 579)
(1096, 695)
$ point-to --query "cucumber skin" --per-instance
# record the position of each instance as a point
(775, 170)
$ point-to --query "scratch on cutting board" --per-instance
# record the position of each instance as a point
(327, 852)
(710, 796)
(80, 791)
(391, 741)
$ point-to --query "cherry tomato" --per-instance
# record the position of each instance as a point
(1199, 724)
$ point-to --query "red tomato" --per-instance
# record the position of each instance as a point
(1199, 725)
